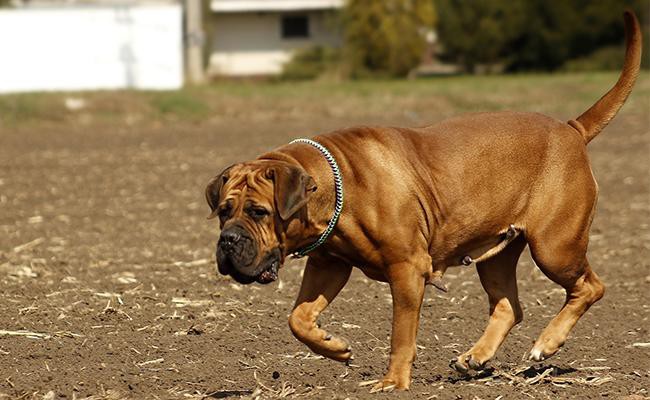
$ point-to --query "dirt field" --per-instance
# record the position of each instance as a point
(107, 280)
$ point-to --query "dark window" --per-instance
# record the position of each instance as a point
(295, 26)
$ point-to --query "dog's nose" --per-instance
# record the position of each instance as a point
(228, 239)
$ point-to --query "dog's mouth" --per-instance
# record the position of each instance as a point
(270, 273)
(266, 272)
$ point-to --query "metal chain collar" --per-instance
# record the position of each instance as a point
(338, 189)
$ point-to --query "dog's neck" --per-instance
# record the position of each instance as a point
(312, 220)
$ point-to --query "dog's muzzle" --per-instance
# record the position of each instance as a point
(236, 255)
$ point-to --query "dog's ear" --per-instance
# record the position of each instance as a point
(213, 189)
(293, 187)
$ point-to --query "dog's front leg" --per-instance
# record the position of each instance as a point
(407, 287)
(321, 282)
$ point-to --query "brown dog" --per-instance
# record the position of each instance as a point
(475, 188)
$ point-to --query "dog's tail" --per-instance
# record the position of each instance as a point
(592, 121)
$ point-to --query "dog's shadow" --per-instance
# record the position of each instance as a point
(224, 394)
(528, 373)
(534, 371)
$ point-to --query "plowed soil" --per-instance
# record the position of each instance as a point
(108, 287)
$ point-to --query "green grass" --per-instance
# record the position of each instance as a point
(549, 93)
(182, 104)
(28, 107)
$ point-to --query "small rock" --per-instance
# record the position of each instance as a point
(195, 330)
(37, 219)
(49, 395)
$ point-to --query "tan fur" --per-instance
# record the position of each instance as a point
(592, 121)
(419, 200)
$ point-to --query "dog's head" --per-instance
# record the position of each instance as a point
(254, 202)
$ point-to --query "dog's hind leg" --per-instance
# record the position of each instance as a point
(583, 288)
(321, 282)
(499, 279)
(558, 244)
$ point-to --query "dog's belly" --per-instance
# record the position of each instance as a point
(373, 273)
(483, 248)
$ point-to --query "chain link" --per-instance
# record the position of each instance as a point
(338, 189)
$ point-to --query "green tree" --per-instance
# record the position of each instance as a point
(529, 34)
(385, 37)
(476, 32)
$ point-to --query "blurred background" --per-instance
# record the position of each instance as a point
(184, 55)
(164, 44)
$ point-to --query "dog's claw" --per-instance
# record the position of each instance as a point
(349, 349)
(348, 362)
(383, 387)
(458, 366)
(328, 337)
(536, 355)
(473, 364)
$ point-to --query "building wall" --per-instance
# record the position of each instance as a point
(251, 43)
(91, 47)
(273, 5)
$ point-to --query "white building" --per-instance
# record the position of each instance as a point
(54, 46)
(256, 37)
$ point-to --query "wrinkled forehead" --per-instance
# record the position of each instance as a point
(248, 181)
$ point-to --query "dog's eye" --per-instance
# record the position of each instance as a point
(257, 213)
(224, 212)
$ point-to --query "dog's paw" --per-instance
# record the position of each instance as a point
(390, 383)
(458, 366)
(466, 362)
(538, 354)
(544, 349)
(385, 385)
(332, 347)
